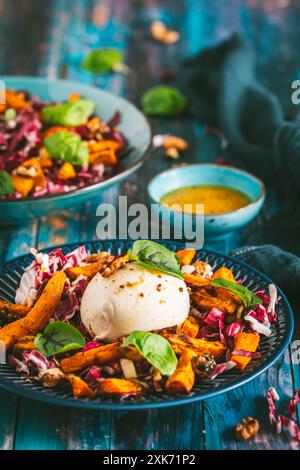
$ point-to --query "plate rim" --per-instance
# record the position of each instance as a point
(182, 400)
(94, 186)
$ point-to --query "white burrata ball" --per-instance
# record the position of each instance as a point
(133, 298)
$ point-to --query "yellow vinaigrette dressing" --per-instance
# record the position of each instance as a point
(216, 199)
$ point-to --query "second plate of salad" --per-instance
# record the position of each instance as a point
(62, 142)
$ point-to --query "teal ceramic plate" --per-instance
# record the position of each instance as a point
(271, 348)
(134, 126)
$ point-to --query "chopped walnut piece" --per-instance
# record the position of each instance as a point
(247, 428)
(53, 378)
(203, 365)
(203, 269)
(22, 170)
(171, 144)
(96, 257)
(112, 266)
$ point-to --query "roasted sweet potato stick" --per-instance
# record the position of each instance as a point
(96, 262)
(246, 342)
(196, 281)
(24, 344)
(119, 387)
(92, 258)
(14, 309)
(103, 152)
(90, 270)
(130, 352)
(100, 355)
(80, 387)
(66, 171)
(206, 302)
(186, 256)
(38, 315)
(189, 327)
(224, 273)
(182, 342)
(183, 378)
(22, 184)
(54, 129)
(16, 100)
(33, 164)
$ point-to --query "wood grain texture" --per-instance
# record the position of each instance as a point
(52, 40)
(15, 241)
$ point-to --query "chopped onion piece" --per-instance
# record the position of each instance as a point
(279, 421)
(257, 326)
(188, 269)
(273, 300)
(128, 369)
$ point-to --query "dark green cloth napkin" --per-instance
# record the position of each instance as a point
(282, 267)
(223, 93)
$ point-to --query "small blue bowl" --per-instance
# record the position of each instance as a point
(215, 225)
(133, 125)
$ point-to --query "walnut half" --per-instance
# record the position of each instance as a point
(52, 378)
(247, 428)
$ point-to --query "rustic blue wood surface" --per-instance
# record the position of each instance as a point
(49, 39)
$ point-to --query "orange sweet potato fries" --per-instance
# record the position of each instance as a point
(183, 378)
(100, 355)
(198, 345)
(37, 317)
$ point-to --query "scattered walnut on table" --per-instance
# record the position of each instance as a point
(172, 141)
(161, 33)
(171, 144)
(247, 428)
(172, 152)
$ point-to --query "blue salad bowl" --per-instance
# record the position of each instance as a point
(214, 226)
(133, 125)
(271, 347)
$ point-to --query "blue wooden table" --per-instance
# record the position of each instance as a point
(49, 39)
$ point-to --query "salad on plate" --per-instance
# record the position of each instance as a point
(48, 147)
(149, 320)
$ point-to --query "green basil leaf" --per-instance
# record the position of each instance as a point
(68, 147)
(156, 349)
(72, 113)
(59, 337)
(248, 298)
(152, 255)
(6, 186)
(164, 101)
(103, 60)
